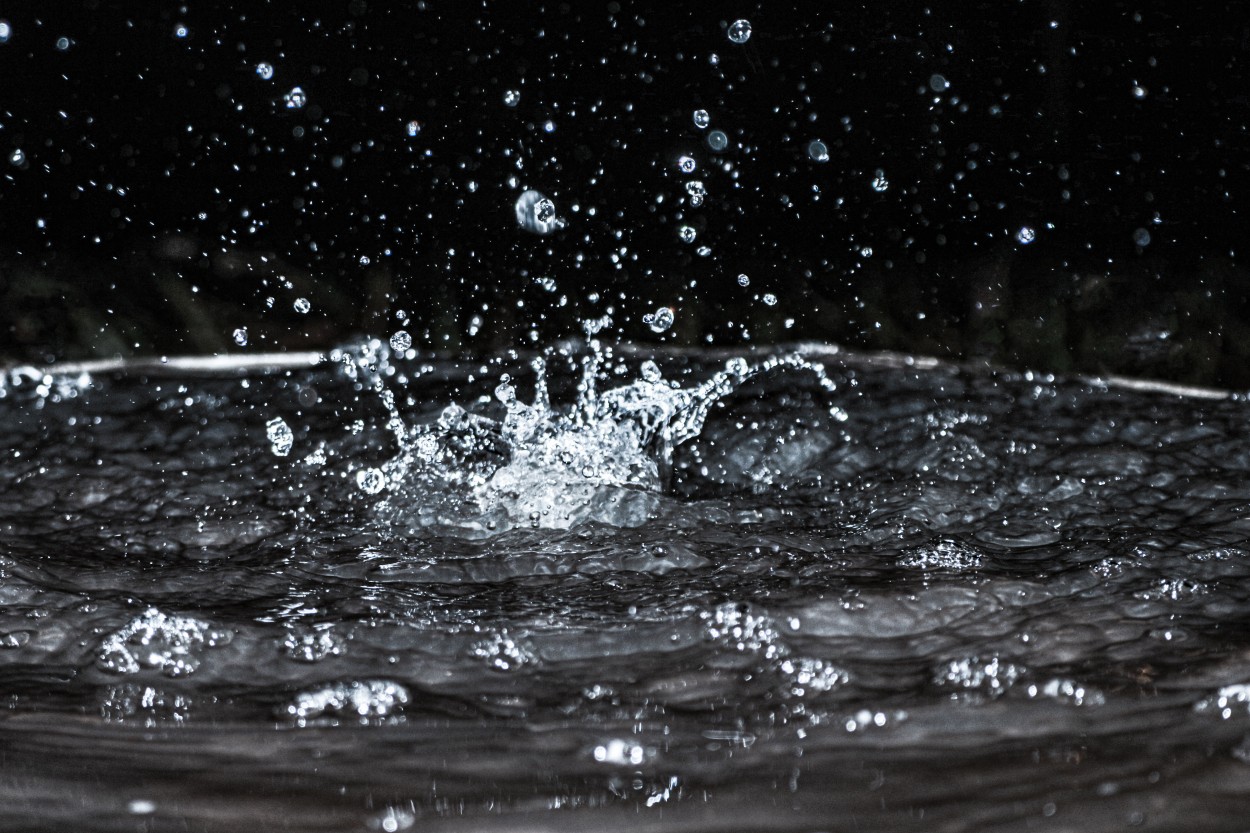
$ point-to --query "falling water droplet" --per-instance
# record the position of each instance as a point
(181, 31)
(296, 98)
(879, 182)
(938, 83)
(1026, 235)
(661, 319)
(370, 481)
(302, 306)
(686, 164)
(818, 151)
(6, 31)
(240, 336)
(1141, 237)
(740, 31)
(265, 70)
(281, 438)
(717, 140)
(744, 280)
(413, 128)
(701, 119)
(511, 98)
(686, 234)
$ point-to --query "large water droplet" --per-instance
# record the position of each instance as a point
(879, 182)
(686, 234)
(281, 437)
(687, 164)
(6, 31)
(740, 31)
(1141, 237)
(701, 119)
(696, 191)
(1026, 235)
(660, 320)
(512, 98)
(536, 213)
(818, 151)
(302, 306)
(717, 140)
(938, 83)
(401, 341)
(265, 70)
(296, 98)
(240, 336)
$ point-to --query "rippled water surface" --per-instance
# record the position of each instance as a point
(907, 599)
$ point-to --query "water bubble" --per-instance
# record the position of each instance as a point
(938, 83)
(544, 210)
(740, 31)
(686, 164)
(1141, 237)
(265, 70)
(701, 119)
(511, 98)
(181, 31)
(364, 699)
(1026, 235)
(302, 306)
(281, 438)
(296, 98)
(770, 299)
(240, 336)
(18, 156)
(717, 140)
(866, 251)
(661, 319)
(744, 280)
(686, 234)
(879, 182)
(536, 213)
(413, 128)
(401, 341)
(370, 481)
(155, 640)
(818, 151)
(6, 31)
(63, 43)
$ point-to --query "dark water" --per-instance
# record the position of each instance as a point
(928, 600)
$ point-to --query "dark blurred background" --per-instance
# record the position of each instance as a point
(1051, 184)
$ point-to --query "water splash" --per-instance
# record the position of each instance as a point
(606, 457)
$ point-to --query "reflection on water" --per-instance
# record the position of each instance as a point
(882, 598)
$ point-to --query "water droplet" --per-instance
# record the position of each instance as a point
(370, 480)
(1139, 91)
(879, 182)
(240, 336)
(696, 191)
(6, 31)
(280, 436)
(181, 30)
(265, 70)
(740, 31)
(1141, 237)
(18, 156)
(661, 319)
(511, 98)
(401, 341)
(717, 140)
(701, 119)
(938, 83)
(686, 234)
(686, 164)
(63, 43)
(866, 251)
(296, 98)
(536, 213)
(1026, 235)
(818, 151)
(744, 280)
(302, 306)
(413, 128)
(770, 299)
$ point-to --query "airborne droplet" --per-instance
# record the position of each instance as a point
(740, 31)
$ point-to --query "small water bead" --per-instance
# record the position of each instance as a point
(686, 234)
(686, 164)
(818, 151)
(770, 299)
(370, 481)
(281, 438)
(181, 31)
(702, 119)
(296, 98)
(744, 280)
(63, 43)
(717, 140)
(413, 128)
(302, 306)
(660, 320)
(1025, 235)
(703, 251)
(879, 182)
(240, 336)
(740, 31)
(401, 341)
(511, 98)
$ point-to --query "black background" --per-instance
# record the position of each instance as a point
(163, 193)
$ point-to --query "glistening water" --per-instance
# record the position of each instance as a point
(663, 591)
